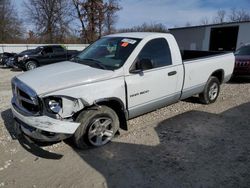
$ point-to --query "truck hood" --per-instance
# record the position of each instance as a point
(62, 75)
(242, 57)
(27, 52)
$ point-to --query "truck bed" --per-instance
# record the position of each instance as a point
(200, 65)
(188, 55)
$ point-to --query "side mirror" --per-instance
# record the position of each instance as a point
(141, 65)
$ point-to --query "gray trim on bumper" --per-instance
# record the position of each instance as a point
(39, 135)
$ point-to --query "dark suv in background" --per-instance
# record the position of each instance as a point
(43, 55)
(242, 61)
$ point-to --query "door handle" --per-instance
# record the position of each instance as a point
(172, 73)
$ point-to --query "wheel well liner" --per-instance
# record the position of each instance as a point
(219, 74)
(32, 60)
(118, 106)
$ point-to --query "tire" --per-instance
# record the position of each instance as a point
(98, 126)
(30, 65)
(211, 91)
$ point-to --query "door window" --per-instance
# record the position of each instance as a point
(58, 49)
(47, 50)
(156, 50)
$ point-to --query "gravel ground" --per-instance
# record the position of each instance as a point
(184, 145)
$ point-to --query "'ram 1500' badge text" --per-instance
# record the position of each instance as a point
(140, 93)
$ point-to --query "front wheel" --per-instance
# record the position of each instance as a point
(211, 91)
(98, 127)
(30, 65)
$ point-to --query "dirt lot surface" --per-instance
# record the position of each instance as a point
(184, 145)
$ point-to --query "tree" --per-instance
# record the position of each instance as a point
(94, 13)
(220, 18)
(31, 37)
(80, 16)
(146, 28)
(112, 6)
(50, 18)
(238, 15)
(10, 24)
(94, 16)
(204, 21)
(90, 14)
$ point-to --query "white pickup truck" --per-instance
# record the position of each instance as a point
(117, 78)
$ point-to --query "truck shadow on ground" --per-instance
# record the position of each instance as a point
(3, 67)
(15, 69)
(193, 99)
(239, 80)
(196, 149)
(28, 144)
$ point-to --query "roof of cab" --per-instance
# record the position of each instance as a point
(140, 35)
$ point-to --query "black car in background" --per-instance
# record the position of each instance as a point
(43, 55)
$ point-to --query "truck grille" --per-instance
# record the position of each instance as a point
(242, 63)
(24, 98)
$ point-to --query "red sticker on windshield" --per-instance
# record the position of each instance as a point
(124, 44)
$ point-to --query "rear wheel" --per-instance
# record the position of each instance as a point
(98, 127)
(211, 91)
(30, 65)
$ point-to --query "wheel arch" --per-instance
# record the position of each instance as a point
(32, 59)
(220, 74)
(118, 106)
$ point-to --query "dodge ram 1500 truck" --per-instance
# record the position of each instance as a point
(117, 78)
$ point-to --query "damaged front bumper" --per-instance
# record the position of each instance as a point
(44, 128)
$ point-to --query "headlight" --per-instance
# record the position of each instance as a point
(20, 58)
(63, 106)
(54, 104)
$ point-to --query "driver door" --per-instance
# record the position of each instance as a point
(46, 56)
(155, 86)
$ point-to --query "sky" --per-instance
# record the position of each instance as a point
(171, 13)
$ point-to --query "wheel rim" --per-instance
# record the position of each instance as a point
(213, 91)
(100, 131)
(31, 66)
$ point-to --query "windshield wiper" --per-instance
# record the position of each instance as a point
(98, 63)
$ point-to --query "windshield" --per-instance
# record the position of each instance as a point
(26, 52)
(108, 52)
(38, 49)
(244, 50)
